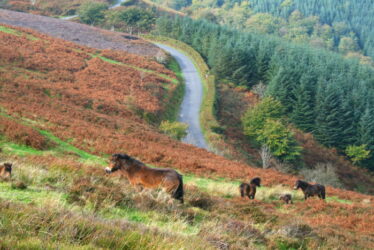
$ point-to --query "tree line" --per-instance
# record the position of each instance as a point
(321, 92)
(341, 26)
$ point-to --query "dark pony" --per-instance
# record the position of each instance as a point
(310, 190)
(250, 189)
(6, 171)
(287, 198)
(139, 174)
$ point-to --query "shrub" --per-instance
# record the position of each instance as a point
(279, 139)
(92, 12)
(176, 130)
(323, 173)
(254, 119)
(134, 20)
(357, 153)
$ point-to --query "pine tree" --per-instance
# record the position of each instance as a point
(366, 129)
(347, 124)
(303, 114)
(328, 128)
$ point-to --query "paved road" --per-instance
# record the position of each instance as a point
(190, 109)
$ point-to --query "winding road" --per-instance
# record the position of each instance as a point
(190, 108)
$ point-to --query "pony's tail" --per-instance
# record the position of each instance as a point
(178, 194)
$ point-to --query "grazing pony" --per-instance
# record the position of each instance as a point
(139, 174)
(6, 171)
(250, 189)
(310, 190)
(287, 198)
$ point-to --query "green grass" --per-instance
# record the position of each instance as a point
(10, 31)
(21, 150)
(175, 67)
(337, 199)
(65, 147)
(153, 219)
(17, 33)
(173, 106)
(29, 195)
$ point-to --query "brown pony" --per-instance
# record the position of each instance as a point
(250, 189)
(310, 190)
(6, 171)
(139, 174)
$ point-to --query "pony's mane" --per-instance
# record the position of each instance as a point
(303, 183)
(127, 158)
(256, 181)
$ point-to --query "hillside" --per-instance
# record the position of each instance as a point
(79, 33)
(231, 106)
(47, 7)
(66, 107)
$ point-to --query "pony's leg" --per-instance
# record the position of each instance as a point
(241, 192)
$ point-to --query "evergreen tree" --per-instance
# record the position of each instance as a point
(366, 129)
(328, 129)
(347, 124)
(303, 115)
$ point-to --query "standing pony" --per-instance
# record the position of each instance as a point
(250, 189)
(139, 174)
(310, 190)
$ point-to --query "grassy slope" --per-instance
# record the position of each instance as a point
(70, 201)
(214, 214)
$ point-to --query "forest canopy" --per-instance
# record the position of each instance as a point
(321, 92)
(341, 26)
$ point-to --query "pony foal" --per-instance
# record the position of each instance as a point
(287, 198)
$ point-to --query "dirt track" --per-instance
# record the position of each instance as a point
(79, 33)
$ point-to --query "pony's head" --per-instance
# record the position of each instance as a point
(256, 181)
(116, 162)
(300, 184)
(8, 167)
